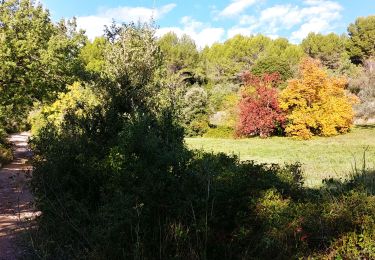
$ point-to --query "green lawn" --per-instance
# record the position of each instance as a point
(321, 157)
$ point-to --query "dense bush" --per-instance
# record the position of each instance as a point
(195, 111)
(78, 99)
(146, 196)
(273, 64)
(6, 155)
(259, 111)
(219, 95)
(316, 103)
(220, 132)
(5, 149)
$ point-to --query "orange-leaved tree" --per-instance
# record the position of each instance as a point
(316, 103)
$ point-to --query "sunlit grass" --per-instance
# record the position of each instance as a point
(321, 157)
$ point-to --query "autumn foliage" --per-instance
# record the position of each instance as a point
(259, 111)
(316, 103)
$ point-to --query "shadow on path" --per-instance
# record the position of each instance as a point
(16, 209)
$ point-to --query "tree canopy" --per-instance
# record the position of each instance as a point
(38, 57)
(316, 103)
(327, 48)
(362, 39)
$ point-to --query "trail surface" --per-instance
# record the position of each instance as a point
(15, 198)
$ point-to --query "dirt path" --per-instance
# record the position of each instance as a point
(15, 198)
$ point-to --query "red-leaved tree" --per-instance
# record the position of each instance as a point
(259, 111)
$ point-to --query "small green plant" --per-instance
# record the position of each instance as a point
(220, 132)
(6, 154)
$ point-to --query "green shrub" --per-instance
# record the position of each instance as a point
(195, 112)
(78, 99)
(6, 154)
(141, 194)
(220, 132)
(356, 245)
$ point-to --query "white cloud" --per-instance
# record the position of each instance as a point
(94, 24)
(281, 15)
(315, 16)
(295, 19)
(246, 31)
(273, 36)
(236, 7)
(313, 25)
(246, 26)
(143, 14)
(247, 20)
(202, 34)
(235, 31)
(190, 24)
(318, 17)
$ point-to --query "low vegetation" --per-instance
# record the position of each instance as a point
(206, 206)
(5, 149)
(321, 157)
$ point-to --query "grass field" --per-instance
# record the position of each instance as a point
(321, 157)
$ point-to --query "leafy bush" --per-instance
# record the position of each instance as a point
(356, 245)
(6, 154)
(316, 103)
(259, 111)
(350, 225)
(124, 187)
(194, 112)
(143, 194)
(5, 150)
(273, 64)
(78, 100)
(220, 132)
(219, 93)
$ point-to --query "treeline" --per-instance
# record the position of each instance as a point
(112, 176)
(208, 87)
(40, 59)
(219, 73)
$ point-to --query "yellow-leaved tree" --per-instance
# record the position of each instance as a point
(79, 100)
(316, 103)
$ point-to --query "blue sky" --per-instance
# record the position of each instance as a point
(212, 21)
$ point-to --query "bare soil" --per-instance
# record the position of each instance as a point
(16, 207)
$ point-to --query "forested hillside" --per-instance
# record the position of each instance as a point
(112, 176)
